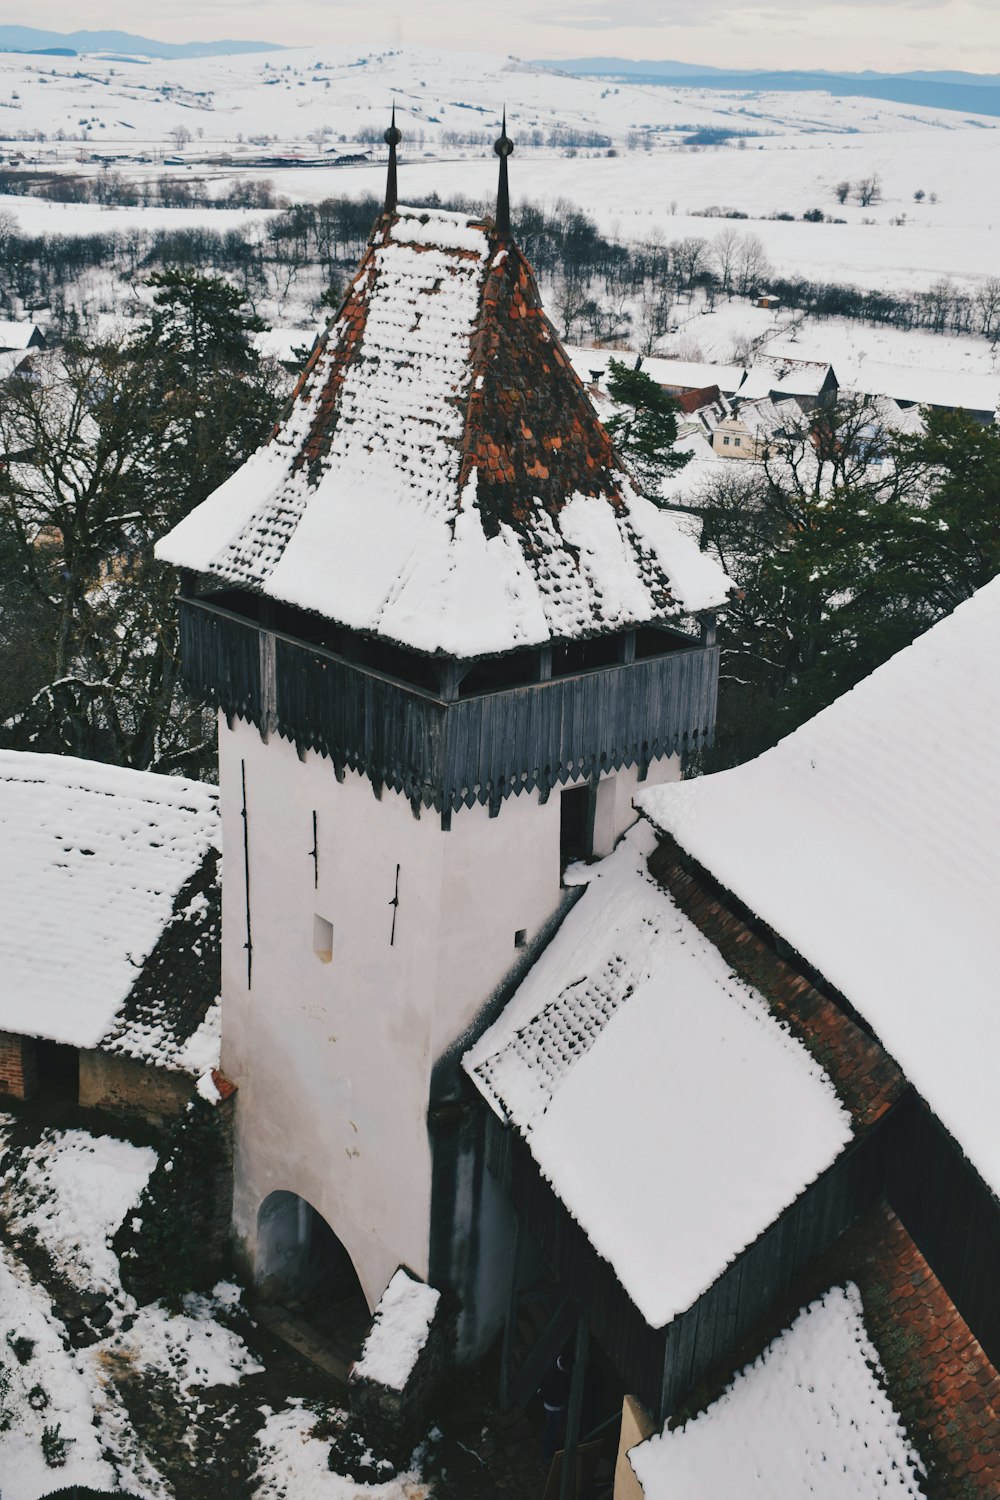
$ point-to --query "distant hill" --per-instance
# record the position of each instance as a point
(28, 39)
(971, 93)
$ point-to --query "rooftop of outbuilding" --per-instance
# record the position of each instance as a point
(871, 1340)
(677, 1084)
(110, 901)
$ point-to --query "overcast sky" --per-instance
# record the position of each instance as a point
(888, 35)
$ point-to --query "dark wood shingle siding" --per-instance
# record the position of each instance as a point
(951, 1214)
(452, 754)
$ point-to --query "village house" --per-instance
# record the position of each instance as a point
(109, 943)
(808, 382)
(17, 340)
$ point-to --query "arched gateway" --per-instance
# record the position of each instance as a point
(300, 1258)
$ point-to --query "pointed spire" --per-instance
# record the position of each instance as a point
(503, 147)
(392, 138)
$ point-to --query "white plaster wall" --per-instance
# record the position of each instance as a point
(615, 795)
(333, 1060)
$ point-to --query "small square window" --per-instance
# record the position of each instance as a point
(725, 442)
(521, 937)
(737, 442)
(323, 939)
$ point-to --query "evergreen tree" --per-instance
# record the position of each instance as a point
(645, 430)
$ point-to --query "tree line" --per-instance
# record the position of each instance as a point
(596, 286)
(105, 446)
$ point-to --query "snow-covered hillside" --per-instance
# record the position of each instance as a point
(318, 103)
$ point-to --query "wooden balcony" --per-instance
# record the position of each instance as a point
(440, 751)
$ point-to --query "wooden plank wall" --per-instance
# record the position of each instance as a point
(452, 754)
(708, 1332)
(635, 1349)
(663, 1366)
(951, 1214)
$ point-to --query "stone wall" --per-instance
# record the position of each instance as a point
(125, 1086)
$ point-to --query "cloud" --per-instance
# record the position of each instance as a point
(610, 15)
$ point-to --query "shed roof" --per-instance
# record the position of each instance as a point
(105, 873)
(678, 374)
(870, 840)
(655, 1088)
(441, 478)
(964, 389)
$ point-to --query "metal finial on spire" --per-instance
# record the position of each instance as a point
(503, 147)
(392, 138)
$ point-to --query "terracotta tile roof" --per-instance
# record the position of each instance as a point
(866, 1079)
(692, 401)
(940, 1379)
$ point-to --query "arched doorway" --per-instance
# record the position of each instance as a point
(306, 1275)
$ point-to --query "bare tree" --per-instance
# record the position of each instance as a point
(654, 314)
(571, 302)
(987, 305)
(869, 190)
(842, 192)
(181, 136)
(725, 254)
(752, 266)
(690, 257)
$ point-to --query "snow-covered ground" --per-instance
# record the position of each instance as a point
(293, 1465)
(62, 1197)
(220, 115)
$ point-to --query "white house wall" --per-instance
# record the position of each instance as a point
(333, 1059)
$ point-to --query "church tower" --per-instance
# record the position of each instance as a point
(446, 639)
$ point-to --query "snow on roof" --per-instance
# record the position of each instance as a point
(784, 377)
(809, 1417)
(400, 1330)
(18, 335)
(93, 859)
(870, 840)
(441, 478)
(948, 388)
(688, 375)
(655, 1089)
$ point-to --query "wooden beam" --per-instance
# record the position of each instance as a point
(510, 1323)
(525, 1381)
(567, 1484)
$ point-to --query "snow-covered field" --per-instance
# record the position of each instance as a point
(320, 102)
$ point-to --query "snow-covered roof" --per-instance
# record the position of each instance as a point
(18, 335)
(655, 1089)
(784, 377)
(809, 1418)
(679, 374)
(948, 388)
(441, 478)
(94, 861)
(763, 417)
(870, 840)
